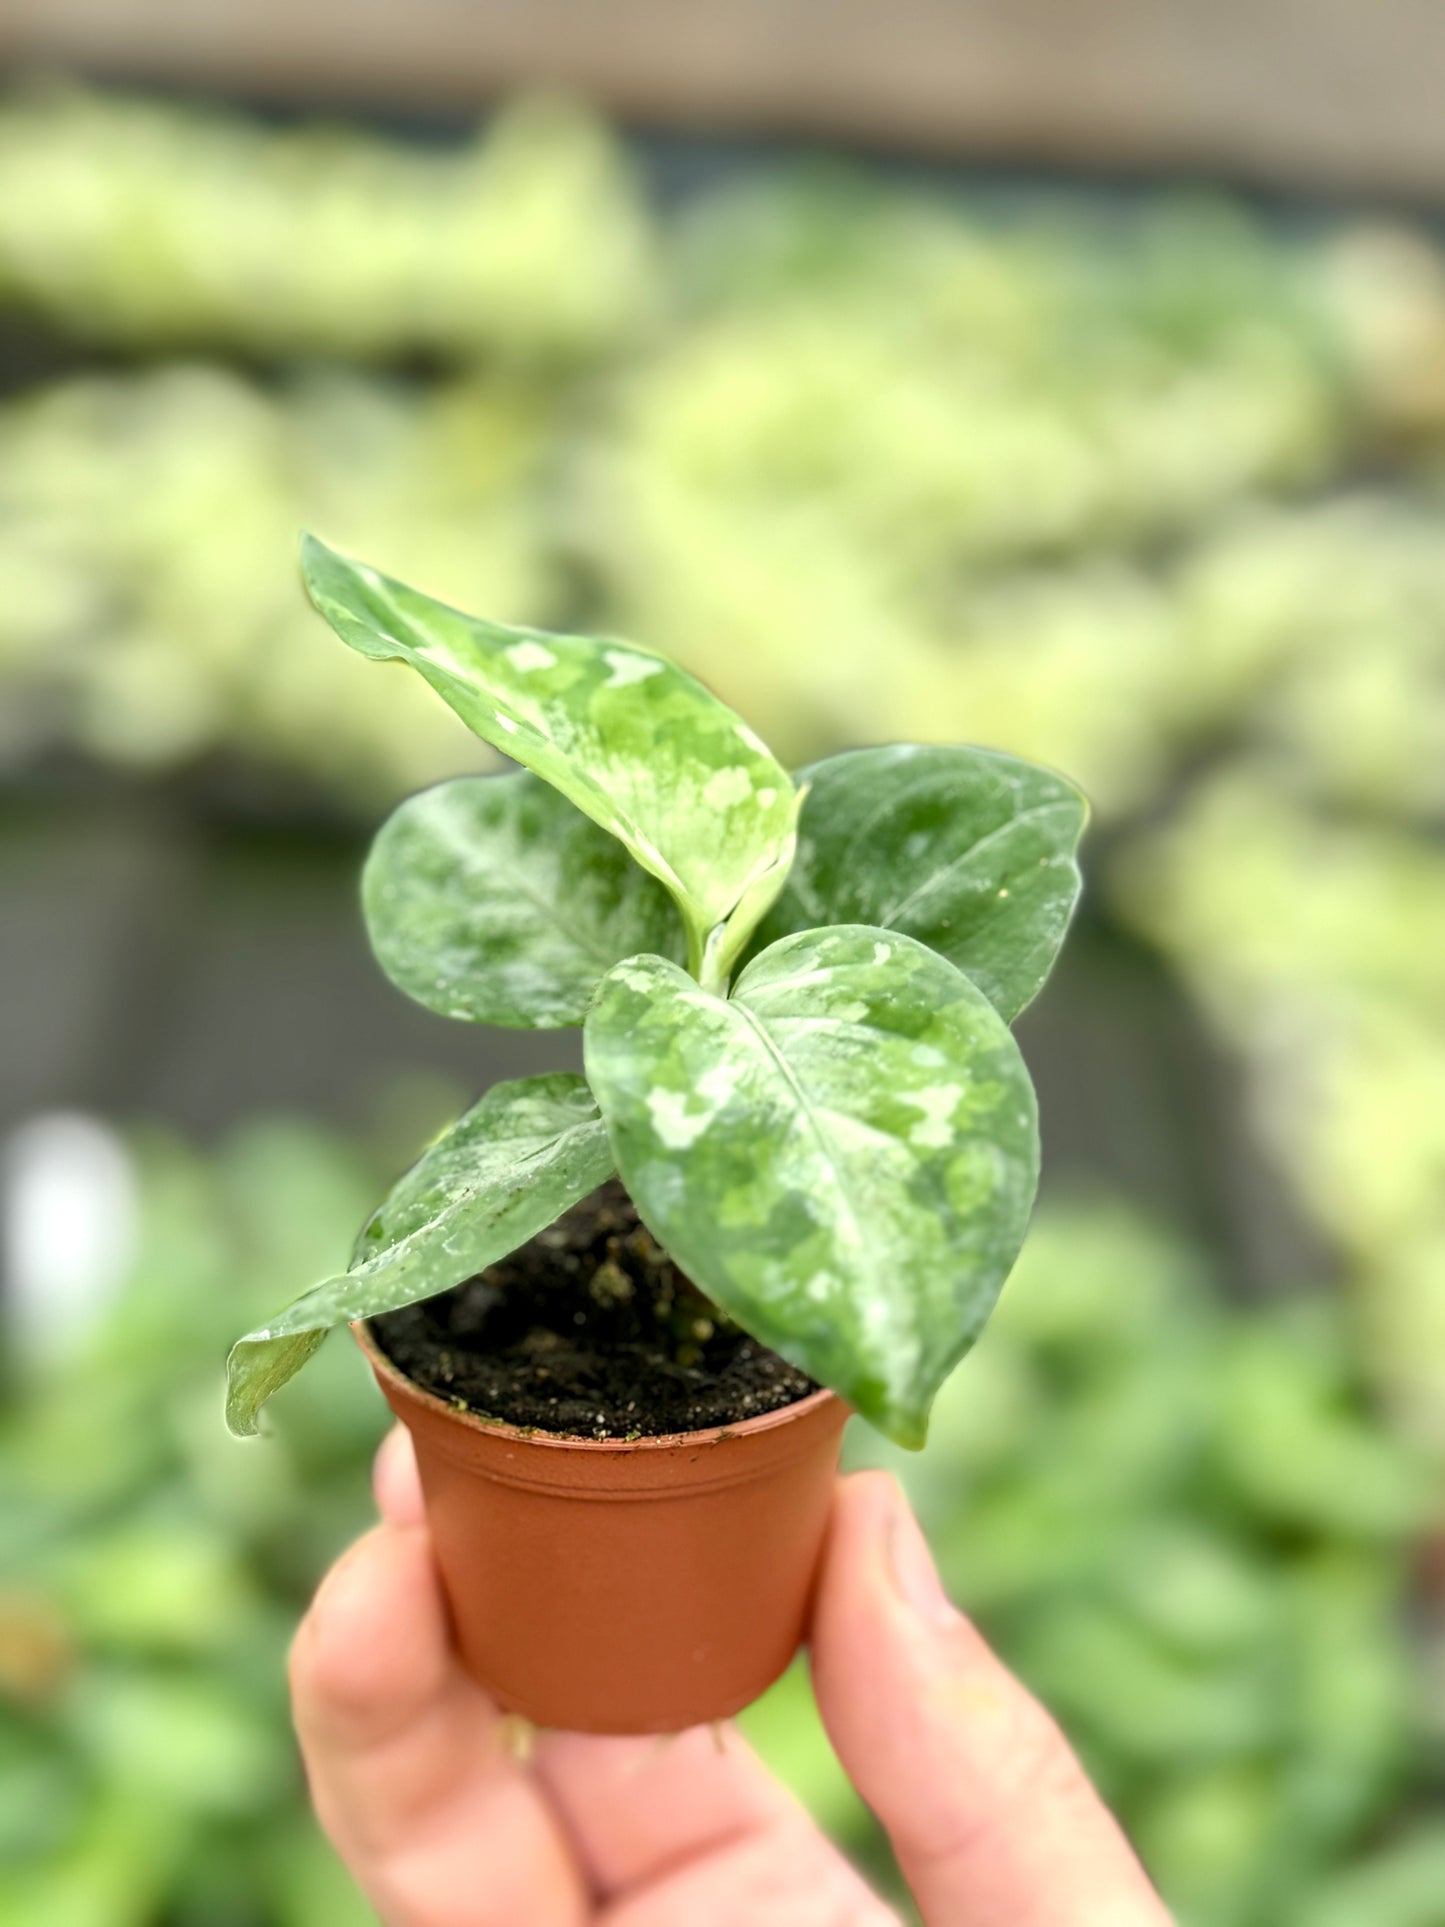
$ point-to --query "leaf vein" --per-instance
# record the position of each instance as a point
(812, 1115)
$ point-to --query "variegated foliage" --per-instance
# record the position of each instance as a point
(845, 1150)
(841, 1146)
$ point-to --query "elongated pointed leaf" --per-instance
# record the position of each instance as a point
(968, 850)
(492, 899)
(636, 743)
(843, 1154)
(515, 1162)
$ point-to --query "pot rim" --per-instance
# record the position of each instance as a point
(571, 1442)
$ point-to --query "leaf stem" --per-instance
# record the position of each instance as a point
(712, 971)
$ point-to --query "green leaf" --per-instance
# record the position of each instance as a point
(968, 850)
(505, 1171)
(492, 899)
(636, 743)
(843, 1154)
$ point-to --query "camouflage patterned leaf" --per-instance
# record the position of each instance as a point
(843, 1154)
(968, 850)
(503, 1172)
(638, 745)
(492, 899)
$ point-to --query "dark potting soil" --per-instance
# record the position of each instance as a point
(590, 1330)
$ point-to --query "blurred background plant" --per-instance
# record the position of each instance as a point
(1143, 484)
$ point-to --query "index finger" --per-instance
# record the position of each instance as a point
(404, 1759)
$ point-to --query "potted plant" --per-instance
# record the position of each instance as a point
(795, 999)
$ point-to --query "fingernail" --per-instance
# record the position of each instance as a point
(914, 1573)
(394, 1482)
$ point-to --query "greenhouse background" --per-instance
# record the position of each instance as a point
(1144, 481)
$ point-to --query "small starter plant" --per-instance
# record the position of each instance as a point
(795, 996)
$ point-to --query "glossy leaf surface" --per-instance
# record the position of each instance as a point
(843, 1154)
(968, 850)
(636, 743)
(492, 899)
(503, 1172)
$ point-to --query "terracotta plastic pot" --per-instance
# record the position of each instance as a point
(623, 1587)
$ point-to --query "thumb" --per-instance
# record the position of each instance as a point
(991, 1816)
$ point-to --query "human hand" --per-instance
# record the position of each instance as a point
(992, 1819)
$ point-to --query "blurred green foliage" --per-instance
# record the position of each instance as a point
(154, 1571)
(136, 224)
(818, 423)
(1178, 1520)
(1149, 488)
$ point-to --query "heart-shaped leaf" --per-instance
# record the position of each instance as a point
(503, 1172)
(492, 899)
(968, 850)
(843, 1154)
(636, 743)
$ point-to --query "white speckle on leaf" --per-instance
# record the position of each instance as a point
(937, 1103)
(627, 667)
(873, 1315)
(1004, 892)
(853, 1013)
(881, 953)
(506, 723)
(697, 999)
(752, 739)
(526, 657)
(727, 786)
(819, 1286)
(717, 1085)
(766, 799)
(675, 1126)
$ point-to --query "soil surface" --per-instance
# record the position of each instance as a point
(589, 1330)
